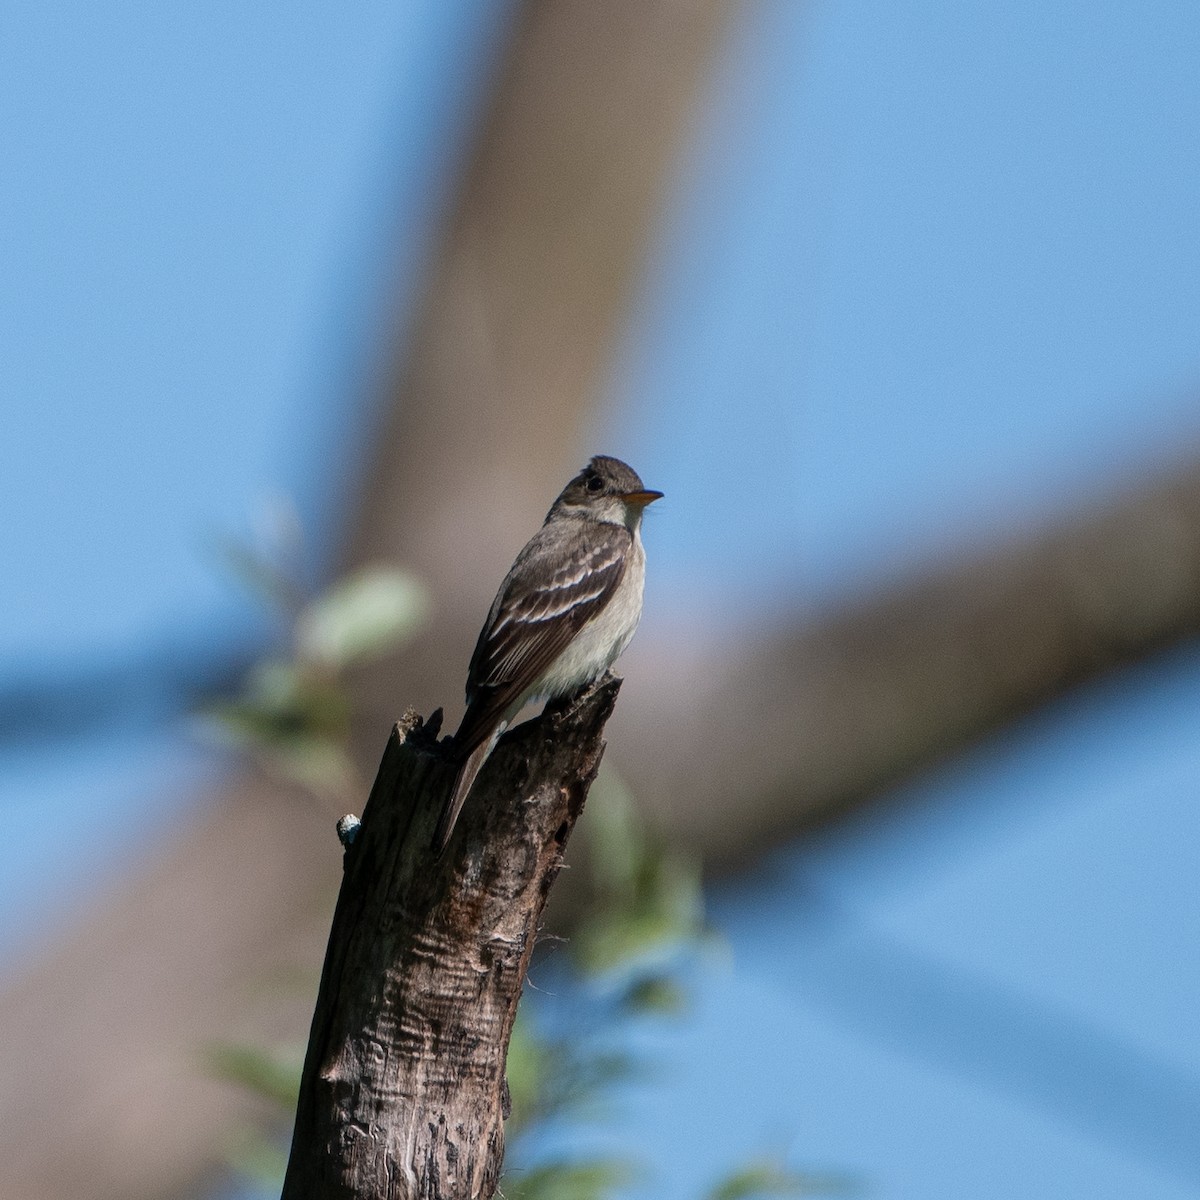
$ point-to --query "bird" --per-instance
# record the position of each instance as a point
(567, 608)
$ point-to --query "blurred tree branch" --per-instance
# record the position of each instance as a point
(826, 713)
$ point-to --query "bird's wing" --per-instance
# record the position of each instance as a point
(547, 597)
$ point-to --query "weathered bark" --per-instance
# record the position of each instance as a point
(403, 1088)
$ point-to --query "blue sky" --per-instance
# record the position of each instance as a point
(930, 272)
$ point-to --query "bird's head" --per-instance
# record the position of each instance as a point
(605, 490)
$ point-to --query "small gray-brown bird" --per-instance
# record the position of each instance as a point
(565, 611)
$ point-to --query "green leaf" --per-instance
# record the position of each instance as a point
(270, 583)
(569, 1180)
(318, 764)
(658, 994)
(648, 899)
(554, 1077)
(526, 1069)
(664, 912)
(259, 1158)
(772, 1178)
(618, 841)
(274, 1075)
(370, 612)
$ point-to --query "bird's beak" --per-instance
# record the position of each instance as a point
(641, 499)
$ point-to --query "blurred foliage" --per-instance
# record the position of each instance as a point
(292, 712)
(628, 958)
(561, 1179)
(368, 614)
(772, 1178)
(259, 1160)
(272, 1074)
(647, 901)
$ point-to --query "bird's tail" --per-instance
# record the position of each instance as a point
(458, 795)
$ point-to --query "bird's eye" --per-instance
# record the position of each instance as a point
(595, 483)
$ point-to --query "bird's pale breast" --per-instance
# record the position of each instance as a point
(600, 642)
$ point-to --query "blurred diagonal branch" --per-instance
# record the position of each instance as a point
(824, 714)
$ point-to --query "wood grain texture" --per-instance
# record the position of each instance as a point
(403, 1091)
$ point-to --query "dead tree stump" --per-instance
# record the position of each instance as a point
(403, 1091)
